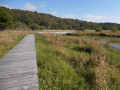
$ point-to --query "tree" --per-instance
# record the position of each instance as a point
(42, 27)
(20, 26)
(82, 28)
(5, 19)
(34, 26)
(98, 29)
(47, 21)
(114, 29)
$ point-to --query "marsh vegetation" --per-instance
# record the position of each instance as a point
(74, 62)
(88, 59)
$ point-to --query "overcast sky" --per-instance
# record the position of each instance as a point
(89, 10)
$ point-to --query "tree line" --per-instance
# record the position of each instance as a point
(24, 19)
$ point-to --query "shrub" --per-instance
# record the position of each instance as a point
(20, 26)
(114, 29)
(42, 28)
(34, 26)
(98, 29)
(82, 28)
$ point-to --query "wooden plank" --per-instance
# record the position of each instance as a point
(18, 68)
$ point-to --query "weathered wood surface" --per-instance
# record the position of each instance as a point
(18, 68)
(59, 32)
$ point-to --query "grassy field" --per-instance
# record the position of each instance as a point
(9, 38)
(94, 33)
(73, 62)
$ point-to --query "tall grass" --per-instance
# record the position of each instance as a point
(76, 64)
(53, 70)
(9, 38)
(93, 33)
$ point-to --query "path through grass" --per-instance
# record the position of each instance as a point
(9, 38)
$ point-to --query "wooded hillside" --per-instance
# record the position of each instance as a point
(35, 20)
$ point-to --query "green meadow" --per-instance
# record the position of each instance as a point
(74, 62)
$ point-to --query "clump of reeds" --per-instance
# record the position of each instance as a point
(98, 65)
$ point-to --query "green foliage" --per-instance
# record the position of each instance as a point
(98, 29)
(53, 70)
(34, 26)
(82, 28)
(114, 29)
(51, 22)
(20, 26)
(47, 21)
(5, 19)
(42, 28)
(66, 62)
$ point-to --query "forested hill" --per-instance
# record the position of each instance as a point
(35, 20)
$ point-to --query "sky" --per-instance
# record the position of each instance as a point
(87, 10)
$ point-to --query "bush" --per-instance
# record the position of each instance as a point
(82, 28)
(34, 26)
(42, 27)
(20, 26)
(98, 29)
(114, 29)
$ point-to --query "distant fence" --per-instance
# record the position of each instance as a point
(60, 32)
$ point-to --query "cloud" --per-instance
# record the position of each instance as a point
(3, 5)
(95, 18)
(30, 6)
(42, 6)
(91, 17)
(114, 19)
(69, 16)
(54, 13)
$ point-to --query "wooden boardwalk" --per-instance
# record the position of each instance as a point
(56, 32)
(18, 68)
